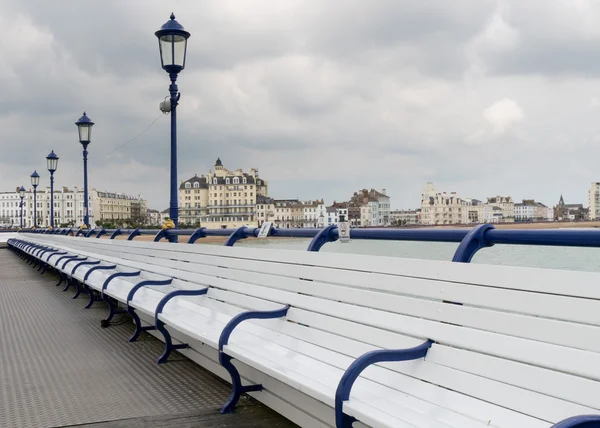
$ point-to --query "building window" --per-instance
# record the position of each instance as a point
(227, 181)
(188, 185)
(196, 184)
(236, 180)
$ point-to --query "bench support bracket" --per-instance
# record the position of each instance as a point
(87, 287)
(360, 364)
(237, 388)
(131, 311)
(160, 326)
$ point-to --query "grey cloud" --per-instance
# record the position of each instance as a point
(322, 97)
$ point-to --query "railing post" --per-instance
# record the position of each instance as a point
(199, 233)
(328, 234)
(471, 243)
(237, 234)
(133, 234)
(115, 234)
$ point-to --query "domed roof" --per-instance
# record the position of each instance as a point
(218, 162)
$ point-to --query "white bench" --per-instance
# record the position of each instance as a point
(521, 349)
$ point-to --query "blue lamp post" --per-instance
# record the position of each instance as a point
(52, 161)
(84, 126)
(21, 195)
(172, 42)
(35, 180)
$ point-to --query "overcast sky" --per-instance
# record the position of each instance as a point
(482, 97)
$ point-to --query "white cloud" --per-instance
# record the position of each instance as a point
(503, 115)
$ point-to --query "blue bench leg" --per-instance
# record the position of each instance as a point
(347, 421)
(237, 388)
(77, 289)
(138, 325)
(92, 297)
(44, 269)
(169, 347)
(68, 285)
(111, 312)
(60, 278)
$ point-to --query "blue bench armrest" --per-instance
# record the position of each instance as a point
(360, 364)
(261, 315)
(103, 267)
(584, 421)
(136, 287)
(161, 305)
(118, 274)
(96, 262)
(225, 360)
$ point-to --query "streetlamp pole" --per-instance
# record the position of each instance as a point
(52, 161)
(172, 42)
(22, 195)
(84, 126)
(35, 180)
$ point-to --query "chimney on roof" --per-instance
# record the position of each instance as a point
(384, 191)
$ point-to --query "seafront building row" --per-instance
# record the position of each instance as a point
(225, 198)
(107, 207)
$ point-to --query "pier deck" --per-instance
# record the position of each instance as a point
(59, 368)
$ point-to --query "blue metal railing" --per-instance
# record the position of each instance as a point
(470, 240)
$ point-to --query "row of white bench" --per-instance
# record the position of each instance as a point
(481, 346)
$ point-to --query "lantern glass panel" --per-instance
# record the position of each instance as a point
(85, 132)
(52, 164)
(166, 50)
(179, 45)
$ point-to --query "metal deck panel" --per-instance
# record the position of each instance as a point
(58, 367)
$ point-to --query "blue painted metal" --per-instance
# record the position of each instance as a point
(97, 262)
(160, 326)
(116, 275)
(225, 360)
(171, 29)
(102, 232)
(52, 163)
(81, 232)
(583, 421)
(133, 234)
(103, 267)
(360, 364)
(239, 233)
(328, 234)
(35, 181)
(160, 235)
(471, 243)
(136, 287)
(21, 193)
(76, 259)
(67, 257)
(84, 121)
(59, 253)
(199, 233)
(89, 233)
(115, 234)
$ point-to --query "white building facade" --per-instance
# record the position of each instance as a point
(594, 201)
